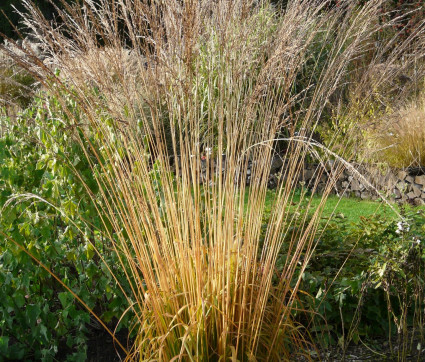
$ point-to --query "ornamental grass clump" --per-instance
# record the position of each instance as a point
(174, 100)
(401, 139)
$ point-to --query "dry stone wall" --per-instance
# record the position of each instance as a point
(367, 182)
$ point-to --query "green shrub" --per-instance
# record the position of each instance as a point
(38, 317)
(366, 280)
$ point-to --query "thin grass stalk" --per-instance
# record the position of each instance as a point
(201, 282)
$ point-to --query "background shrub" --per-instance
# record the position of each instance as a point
(359, 268)
(38, 317)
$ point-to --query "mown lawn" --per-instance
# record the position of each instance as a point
(351, 208)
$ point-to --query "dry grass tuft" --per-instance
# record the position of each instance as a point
(401, 140)
(201, 76)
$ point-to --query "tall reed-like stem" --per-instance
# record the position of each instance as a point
(177, 98)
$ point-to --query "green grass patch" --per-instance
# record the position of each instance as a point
(352, 208)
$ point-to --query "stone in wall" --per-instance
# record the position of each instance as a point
(420, 180)
(419, 202)
(415, 189)
(409, 179)
(401, 175)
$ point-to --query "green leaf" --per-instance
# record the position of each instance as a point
(43, 331)
(89, 251)
(319, 293)
(32, 313)
(4, 344)
(19, 299)
(341, 341)
(9, 215)
(382, 269)
(16, 352)
(65, 299)
(71, 256)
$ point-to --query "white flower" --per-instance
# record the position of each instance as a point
(402, 226)
(416, 240)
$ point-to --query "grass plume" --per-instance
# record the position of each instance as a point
(164, 89)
